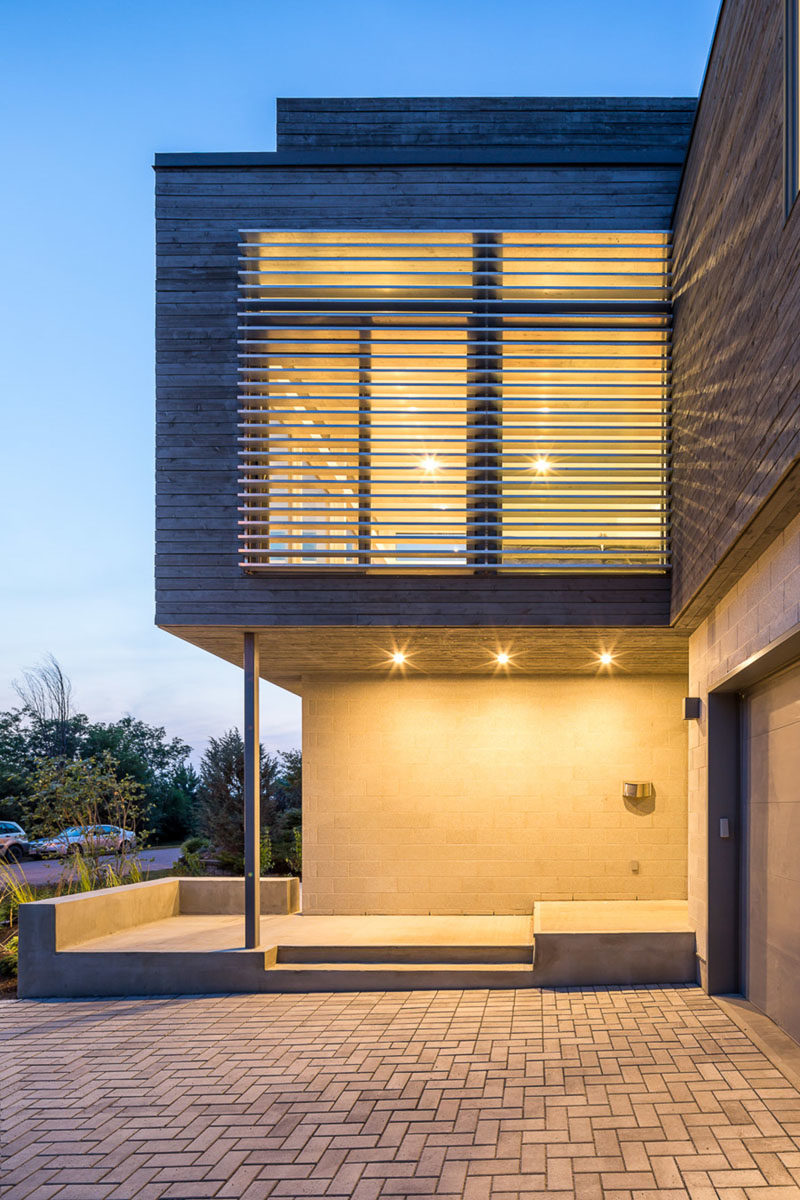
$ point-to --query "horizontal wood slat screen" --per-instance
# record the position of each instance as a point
(454, 401)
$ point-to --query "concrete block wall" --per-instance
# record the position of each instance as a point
(467, 795)
(763, 606)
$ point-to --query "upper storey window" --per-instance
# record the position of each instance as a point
(454, 401)
(792, 92)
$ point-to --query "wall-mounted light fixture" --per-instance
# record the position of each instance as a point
(633, 790)
(691, 707)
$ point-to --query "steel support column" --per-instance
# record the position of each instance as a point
(252, 796)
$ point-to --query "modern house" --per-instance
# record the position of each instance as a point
(479, 428)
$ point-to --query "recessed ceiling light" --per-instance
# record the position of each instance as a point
(606, 658)
(502, 658)
(398, 658)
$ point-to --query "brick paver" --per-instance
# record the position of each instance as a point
(597, 1094)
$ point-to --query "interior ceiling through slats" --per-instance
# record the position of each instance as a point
(454, 401)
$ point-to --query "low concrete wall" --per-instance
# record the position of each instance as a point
(65, 921)
(146, 973)
(224, 895)
(48, 927)
(607, 959)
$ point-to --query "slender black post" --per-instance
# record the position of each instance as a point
(252, 796)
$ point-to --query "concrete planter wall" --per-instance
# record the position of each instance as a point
(51, 933)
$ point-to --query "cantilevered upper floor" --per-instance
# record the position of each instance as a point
(414, 367)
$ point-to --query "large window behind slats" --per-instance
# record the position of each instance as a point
(467, 401)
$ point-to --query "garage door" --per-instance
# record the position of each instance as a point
(772, 874)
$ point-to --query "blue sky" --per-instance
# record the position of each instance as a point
(89, 91)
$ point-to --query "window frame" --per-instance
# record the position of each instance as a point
(505, 282)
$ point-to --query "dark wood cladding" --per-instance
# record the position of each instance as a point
(613, 122)
(736, 352)
(211, 589)
(200, 212)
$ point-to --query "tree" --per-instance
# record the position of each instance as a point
(85, 792)
(46, 695)
(289, 784)
(221, 797)
(288, 812)
(158, 763)
(15, 764)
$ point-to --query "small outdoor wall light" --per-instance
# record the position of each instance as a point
(640, 790)
(502, 659)
(606, 658)
(398, 658)
(691, 708)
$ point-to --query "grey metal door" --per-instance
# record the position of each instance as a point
(771, 878)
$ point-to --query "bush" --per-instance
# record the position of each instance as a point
(194, 845)
(9, 958)
(190, 861)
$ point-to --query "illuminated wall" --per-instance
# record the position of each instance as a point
(482, 795)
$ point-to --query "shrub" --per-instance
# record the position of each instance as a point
(190, 861)
(14, 890)
(9, 958)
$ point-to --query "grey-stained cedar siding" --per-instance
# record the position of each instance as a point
(736, 354)
(199, 215)
(475, 121)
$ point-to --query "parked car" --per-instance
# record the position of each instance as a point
(103, 839)
(13, 840)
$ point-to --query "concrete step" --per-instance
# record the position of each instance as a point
(344, 976)
(410, 955)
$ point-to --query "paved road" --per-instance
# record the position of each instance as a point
(595, 1094)
(48, 870)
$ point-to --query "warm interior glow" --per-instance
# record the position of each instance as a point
(450, 400)
(429, 463)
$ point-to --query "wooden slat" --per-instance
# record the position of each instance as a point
(579, 476)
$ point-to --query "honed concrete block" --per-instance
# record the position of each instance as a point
(225, 894)
(485, 796)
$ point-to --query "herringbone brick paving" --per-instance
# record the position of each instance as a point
(598, 1094)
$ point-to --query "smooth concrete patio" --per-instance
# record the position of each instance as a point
(611, 916)
(216, 933)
